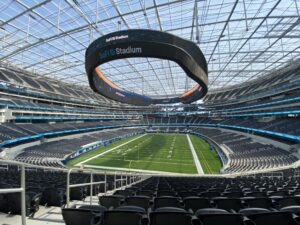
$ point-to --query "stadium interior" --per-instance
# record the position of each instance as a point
(69, 155)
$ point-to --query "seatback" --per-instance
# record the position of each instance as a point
(256, 194)
(172, 216)
(125, 217)
(95, 208)
(210, 194)
(279, 193)
(185, 194)
(195, 203)
(258, 202)
(221, 219)
(141, 201)
(166, 193)
(287, 201)
(234, 194)
(3, 203)
(228, 203)
(53, 197)
(110, 201)
(148, 193)
(81, 217)
(125, 193)
(77, 193)
(274, 218)
(166, 201)
(14, 203)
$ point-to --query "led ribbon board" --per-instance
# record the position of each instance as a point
(145, 43)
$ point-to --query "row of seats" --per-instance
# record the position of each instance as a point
(194, 202)
(25, 84)
(255, 87)
(186, 201)
(134, 215)
(245, 153)
(51, 153)
(16, 130)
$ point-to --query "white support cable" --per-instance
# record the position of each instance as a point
(297, 9)
(197, 23)
(245, 13)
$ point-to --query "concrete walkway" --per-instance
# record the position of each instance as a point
(195, 157)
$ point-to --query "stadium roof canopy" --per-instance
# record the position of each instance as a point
(241, 39)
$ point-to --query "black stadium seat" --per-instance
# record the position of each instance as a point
(32, 203)
(53, 197)
(210, 194)
(3, 203)
(125, 193)
(221, 219)
(166, 201)
(81, 216)
(162, 193)
(77, 193)
(126, 215)
(195, 203)
(141, 201)
(274, 218)
(185, 194)
(228, 203)
(113, 201)
(94, 208)
(258, 202)
(148, 193)
(287, 201)
(171, 215)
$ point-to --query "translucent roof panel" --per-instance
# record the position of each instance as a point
(241, 39)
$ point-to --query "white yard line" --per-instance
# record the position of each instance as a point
(103, 153)
(195, 157)
(154, 160)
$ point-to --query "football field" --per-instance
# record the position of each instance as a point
(152, 152)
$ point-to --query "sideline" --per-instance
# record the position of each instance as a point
(195, 157)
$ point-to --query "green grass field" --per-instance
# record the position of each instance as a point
(156, 152)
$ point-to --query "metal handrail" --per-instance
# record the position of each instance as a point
(10, 190)
(91, 183)
(22, 188)
(119, 180)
